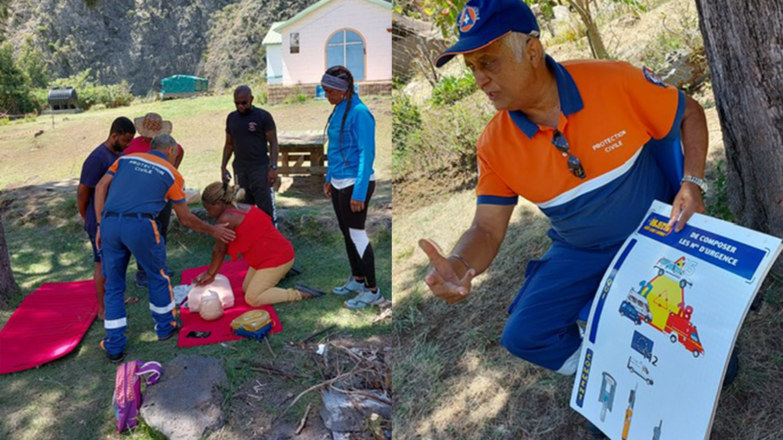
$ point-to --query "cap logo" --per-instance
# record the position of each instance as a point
(468, 18)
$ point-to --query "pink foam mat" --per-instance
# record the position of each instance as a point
(48, 324)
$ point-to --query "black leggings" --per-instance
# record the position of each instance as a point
(357, 244)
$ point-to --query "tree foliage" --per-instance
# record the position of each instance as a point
(3, 17)
(90, 93)
(32, 62)
(14, 88)
(444, 14)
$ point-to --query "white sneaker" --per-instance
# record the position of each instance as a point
(350, 286)
(365, 298)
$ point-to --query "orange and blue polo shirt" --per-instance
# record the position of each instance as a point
(142, 184)
(609, 112)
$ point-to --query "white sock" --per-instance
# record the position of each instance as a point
(570, 364)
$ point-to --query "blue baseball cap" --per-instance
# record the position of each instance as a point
(481, 22)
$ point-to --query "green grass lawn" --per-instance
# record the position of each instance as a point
(71, 397)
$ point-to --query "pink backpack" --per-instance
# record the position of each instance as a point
(127, 390)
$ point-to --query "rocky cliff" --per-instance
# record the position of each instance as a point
(143, 41)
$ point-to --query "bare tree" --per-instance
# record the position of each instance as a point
(743, 45)
(7, 283)
(597, 47)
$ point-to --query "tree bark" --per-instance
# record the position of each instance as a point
(744, 45)
(597, 46)
(7, 283)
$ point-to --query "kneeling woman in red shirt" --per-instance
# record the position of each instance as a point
(266, 251)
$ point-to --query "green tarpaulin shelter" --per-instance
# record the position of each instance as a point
(182, 85)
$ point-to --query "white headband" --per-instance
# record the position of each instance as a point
(334, 82)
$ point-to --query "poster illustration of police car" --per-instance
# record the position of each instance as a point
(663, 324)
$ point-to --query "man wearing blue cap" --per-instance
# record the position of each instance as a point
(576, 139)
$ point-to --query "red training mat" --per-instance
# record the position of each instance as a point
(220, 328)
(48, 324)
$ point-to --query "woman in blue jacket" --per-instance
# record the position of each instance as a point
(350, 181)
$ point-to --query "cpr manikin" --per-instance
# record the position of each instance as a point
(211, 299)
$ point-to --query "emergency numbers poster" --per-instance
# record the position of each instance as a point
(663, 324)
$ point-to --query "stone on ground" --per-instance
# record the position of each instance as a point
(342, 413)
(185, 404)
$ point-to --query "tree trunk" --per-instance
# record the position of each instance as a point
(597, 47)
(744, 43)
(7, 283)
(596, 42)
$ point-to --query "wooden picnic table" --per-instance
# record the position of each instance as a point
(301, 153)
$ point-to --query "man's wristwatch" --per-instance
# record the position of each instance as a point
(272, 167)
(701, 183)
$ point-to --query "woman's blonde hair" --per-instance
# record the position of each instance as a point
(218, 191)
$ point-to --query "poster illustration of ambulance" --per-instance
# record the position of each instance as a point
(666, 313)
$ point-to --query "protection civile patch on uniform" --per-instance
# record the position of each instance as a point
(649, 75)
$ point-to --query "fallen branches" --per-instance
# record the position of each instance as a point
(363, 394)
(265, 368)
(314, 387)
(304, 419)
(313, 335)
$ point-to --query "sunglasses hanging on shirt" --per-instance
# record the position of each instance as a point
(574, 164)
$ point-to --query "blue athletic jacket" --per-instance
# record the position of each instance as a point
(354, 156)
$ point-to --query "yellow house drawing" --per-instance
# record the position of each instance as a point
(665, 296)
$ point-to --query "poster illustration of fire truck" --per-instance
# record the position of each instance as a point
(663, 323)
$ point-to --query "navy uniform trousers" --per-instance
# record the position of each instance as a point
(122, 236)
(541, 326)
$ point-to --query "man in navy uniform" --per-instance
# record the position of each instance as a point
(127, 201)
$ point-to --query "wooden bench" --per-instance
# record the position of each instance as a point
(301, 153)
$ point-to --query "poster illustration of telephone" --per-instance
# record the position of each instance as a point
(663, 325)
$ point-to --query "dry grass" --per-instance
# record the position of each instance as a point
(54, 153)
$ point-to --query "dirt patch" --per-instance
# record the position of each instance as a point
(264, 406)
(413, 192)
(39, 204)
(256, 403)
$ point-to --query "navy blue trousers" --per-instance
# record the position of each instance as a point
(541, 327)
(121, 237)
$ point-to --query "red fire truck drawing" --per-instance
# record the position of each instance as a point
(682, 329)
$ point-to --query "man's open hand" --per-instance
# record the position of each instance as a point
(223, 233)
(442, 279)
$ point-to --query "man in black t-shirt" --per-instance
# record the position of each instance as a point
(251, 137)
